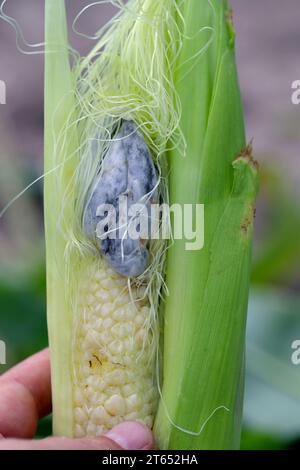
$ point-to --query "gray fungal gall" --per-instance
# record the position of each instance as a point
(127, 178)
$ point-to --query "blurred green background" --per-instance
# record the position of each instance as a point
(268, 61)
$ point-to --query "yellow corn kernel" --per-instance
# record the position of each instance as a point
(113, 367)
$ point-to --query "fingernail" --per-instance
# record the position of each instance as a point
(131, 436)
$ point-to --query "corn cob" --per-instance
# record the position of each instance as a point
(114, 373)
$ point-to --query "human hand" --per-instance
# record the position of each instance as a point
(25, 397)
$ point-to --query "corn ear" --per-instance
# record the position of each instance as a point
(205, 312)
(102, 326)
(162, 60)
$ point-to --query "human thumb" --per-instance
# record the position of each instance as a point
(125, 436)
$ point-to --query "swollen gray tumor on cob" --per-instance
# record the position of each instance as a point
(127, 175)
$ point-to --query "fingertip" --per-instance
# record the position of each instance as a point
(131, 435)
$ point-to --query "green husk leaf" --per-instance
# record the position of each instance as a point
(205, 311)
(59, 159)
